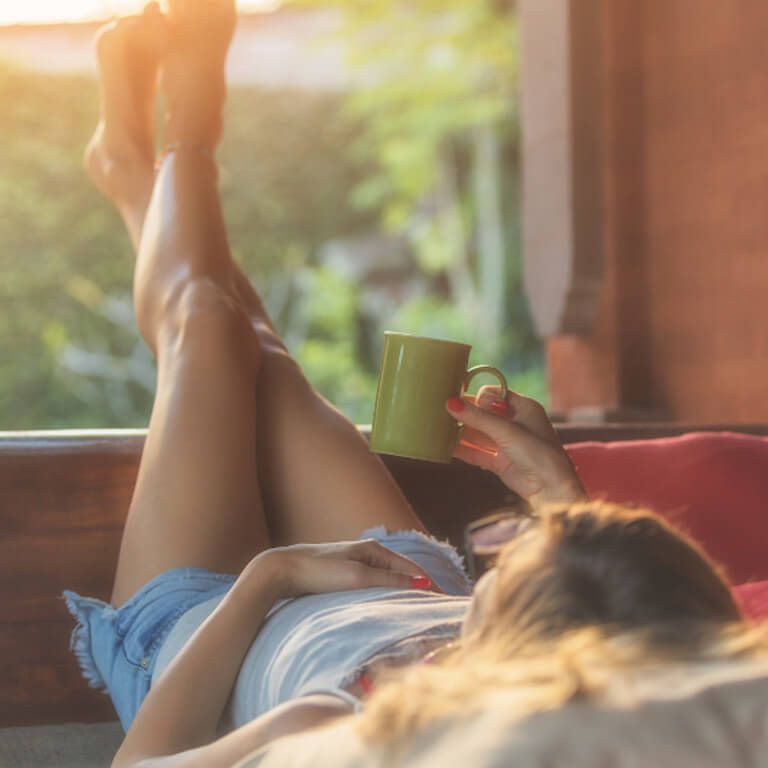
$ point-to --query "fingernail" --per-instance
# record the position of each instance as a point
(456, 404)
(421, 582)
(501, 407)
(365, 681)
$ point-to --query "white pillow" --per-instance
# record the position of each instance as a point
(690, 717)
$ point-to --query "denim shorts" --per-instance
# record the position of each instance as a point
(117, 648)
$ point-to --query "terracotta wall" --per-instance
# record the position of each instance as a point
(682, 328)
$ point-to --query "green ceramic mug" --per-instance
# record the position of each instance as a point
(417, 376)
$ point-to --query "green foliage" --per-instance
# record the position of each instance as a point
(436, 91)
(299, 169)
(327, 310)
(56, 238)
(70, 352)
(286, 177)
(435, 71)
(430, 72)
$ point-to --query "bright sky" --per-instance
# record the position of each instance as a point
(16, 11)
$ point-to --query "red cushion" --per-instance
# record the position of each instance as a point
(753, 599)
(714, 486)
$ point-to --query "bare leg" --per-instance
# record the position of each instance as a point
(320, 480)
(197, 500)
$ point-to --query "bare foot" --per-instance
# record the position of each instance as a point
(120, 157)
(200, 33)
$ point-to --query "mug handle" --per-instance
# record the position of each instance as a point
(477, 370)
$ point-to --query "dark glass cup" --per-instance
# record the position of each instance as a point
(486, 537)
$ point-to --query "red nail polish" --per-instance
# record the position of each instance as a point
(421, 582)
(501, 407)
(365, 681)
(456, 404)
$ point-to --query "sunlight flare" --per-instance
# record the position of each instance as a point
(52, 11)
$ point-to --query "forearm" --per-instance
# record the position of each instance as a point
(184, 707)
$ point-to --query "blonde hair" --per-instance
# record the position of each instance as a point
(593, 593)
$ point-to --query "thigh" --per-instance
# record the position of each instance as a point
(319, 479)
(197, 501)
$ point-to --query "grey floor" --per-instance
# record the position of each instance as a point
(60, 746)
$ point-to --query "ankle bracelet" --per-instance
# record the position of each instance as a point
(176, 146)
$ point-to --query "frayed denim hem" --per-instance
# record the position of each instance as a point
(80, 641)
(445, 548)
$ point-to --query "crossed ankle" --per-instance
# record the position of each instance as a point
(191, 133)
(198, 121)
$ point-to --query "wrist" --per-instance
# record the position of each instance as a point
(266, 577)
(565, 492)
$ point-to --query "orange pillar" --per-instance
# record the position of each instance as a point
(678, 215)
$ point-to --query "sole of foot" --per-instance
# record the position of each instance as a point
(119, 158)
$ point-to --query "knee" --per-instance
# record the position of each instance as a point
(202, 311)
(281, 373)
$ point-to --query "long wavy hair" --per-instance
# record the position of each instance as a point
(590, 594)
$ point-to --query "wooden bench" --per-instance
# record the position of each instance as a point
(63, 501)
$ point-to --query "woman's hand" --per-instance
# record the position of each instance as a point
(304, 569)
(515, 440)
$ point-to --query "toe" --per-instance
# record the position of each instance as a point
(112, 38)
(175, 8)
(106, 40)
(158, 27)
(152, 37)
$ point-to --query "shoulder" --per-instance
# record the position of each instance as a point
(334, 741)
(247, 746)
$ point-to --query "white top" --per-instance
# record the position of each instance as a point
(318, 643)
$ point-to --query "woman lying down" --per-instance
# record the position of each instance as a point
(271, 575)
